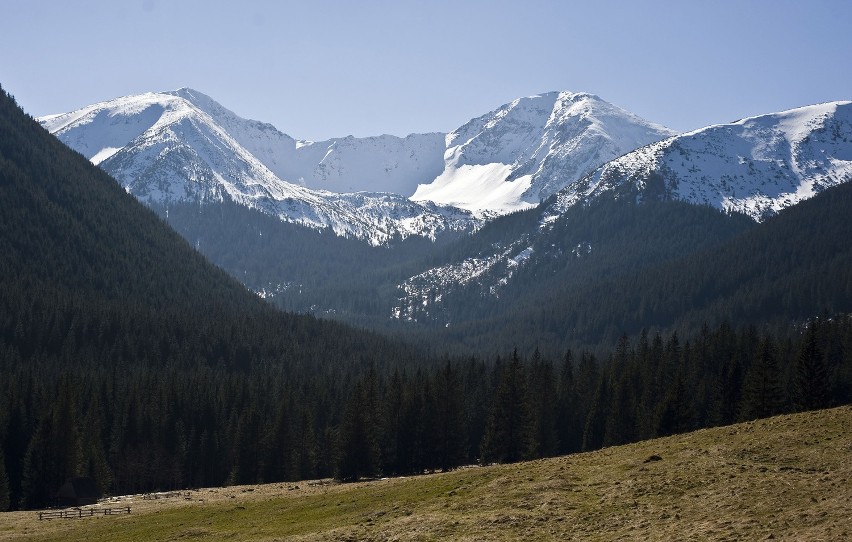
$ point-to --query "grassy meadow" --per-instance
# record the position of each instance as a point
(782, 478)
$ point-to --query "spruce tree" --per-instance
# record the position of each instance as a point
(763, 394)
(54, 453)
(304, 450)
(811, 384)
(448, 418)
(543, 401)
(621, 426)
(593, 431)
(676, 413)
(507, 433)
(569, 433)
(358, 448)
(279, 464)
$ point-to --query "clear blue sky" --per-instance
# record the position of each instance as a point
(320, 69)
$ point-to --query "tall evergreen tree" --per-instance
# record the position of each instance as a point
(17, 436)
(54, 453)
(676, 413)
(811, 380)
(404, 425)
(763, 394)
(247, 455)
(95, 464)
(593, 431)
(727, 392)
(568, 425)
(507, 434)
(621, 423)
(448, 418)
(477, 396)
(543, 401)
(304, 450)
(358, 447)
(279, 463)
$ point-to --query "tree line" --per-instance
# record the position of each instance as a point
(137, 427)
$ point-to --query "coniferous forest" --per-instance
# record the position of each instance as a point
(127, 357)
(665, 265)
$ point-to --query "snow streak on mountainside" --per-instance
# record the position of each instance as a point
(183, 146)
(756, 166)
(422, 294)
(527, 150)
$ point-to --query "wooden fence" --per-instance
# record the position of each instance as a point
(72, 513)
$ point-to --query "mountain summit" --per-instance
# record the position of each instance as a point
(526, 150)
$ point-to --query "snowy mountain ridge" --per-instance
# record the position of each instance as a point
(382, 163)
(756, 166)
(183, 146)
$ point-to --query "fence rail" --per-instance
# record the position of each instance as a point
(73, 513)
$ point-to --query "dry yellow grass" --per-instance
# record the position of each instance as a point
(785, 478)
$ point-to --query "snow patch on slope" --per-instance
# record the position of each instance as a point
(524, 151)
(477, 187)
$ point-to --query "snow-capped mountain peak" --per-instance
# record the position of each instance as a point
(756, 166)
(183, 146)
(526, 150)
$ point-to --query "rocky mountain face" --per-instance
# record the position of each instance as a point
(382, 163)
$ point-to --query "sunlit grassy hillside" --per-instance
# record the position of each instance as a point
(784, 478)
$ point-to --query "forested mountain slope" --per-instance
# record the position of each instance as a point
(581, 278)
(70, 231)
(789, 268)
(103, 305)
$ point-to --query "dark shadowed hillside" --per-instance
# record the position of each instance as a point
(126, 355)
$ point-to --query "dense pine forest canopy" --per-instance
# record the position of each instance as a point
(129, 358)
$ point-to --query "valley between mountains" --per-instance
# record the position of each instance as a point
(559, 196)
(554, 277)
